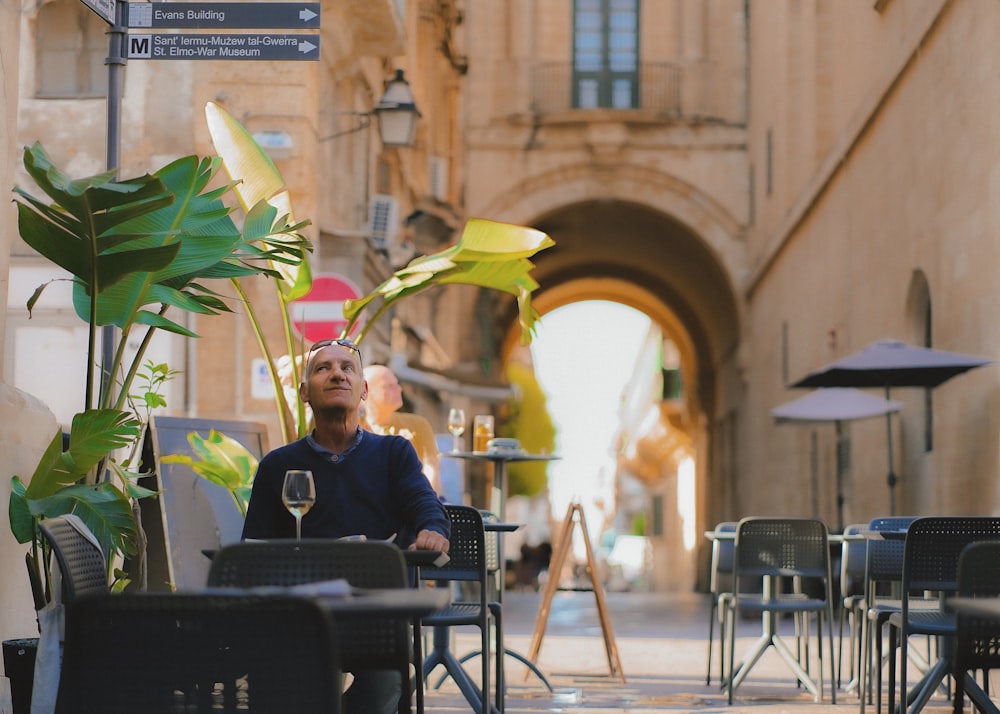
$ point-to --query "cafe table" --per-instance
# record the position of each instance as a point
(500, 458)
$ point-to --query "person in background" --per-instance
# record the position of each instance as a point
(382, 415)
(366, 484)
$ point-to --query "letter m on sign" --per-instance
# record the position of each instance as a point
(139, 47)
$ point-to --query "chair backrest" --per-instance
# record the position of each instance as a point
(80, 558)
(885, 556)
(978, 638)
(853, 557)
(173, 652)
(369, 564)
(467, 550)
(933, 547)
(492, 543)
(367, 641)
(722, 558)
(786, 547)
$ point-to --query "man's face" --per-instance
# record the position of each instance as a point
(383, 388)
(333, 380)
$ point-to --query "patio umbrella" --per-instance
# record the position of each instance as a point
(834, 404)
(887, 364)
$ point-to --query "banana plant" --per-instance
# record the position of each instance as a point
(134, 249)
(489, 254)
(257, 180)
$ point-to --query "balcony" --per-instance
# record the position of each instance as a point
(664, 90)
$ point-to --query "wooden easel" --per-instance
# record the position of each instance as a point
(565, 538)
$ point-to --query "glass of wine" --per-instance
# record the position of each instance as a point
(456, 425)
(298, 495)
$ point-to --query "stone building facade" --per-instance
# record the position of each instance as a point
(776, 183)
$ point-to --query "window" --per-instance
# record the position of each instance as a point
(606, 54)
(70, 49)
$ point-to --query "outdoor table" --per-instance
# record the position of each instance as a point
(392, 602)
(499, 459)
(453, 667)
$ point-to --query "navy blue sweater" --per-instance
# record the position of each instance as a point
(375, 489)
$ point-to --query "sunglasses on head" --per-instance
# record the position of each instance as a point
(342, 341)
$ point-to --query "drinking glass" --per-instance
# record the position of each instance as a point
(298, 495)
(482, 431)
(456, 425)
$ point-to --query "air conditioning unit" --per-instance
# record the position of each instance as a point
(438, 177)
(383, 220)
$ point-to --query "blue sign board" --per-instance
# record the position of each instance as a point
(214, 46)
(223, 15)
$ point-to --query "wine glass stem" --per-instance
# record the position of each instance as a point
(455, 444)
(298, 528)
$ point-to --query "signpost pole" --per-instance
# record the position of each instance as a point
(116, 60)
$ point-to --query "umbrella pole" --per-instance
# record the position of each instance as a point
(841, 469)
(891, 478)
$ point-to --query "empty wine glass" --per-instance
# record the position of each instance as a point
(456, 425)
(298, 494)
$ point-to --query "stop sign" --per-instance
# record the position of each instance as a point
(319, 314)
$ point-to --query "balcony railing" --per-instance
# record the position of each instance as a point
(659, 88)
(663, 89)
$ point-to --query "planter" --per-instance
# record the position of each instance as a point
(19, 667)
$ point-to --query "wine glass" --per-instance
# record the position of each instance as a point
(298, 495)
(456, 425)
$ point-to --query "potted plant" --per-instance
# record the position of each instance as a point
(134, 249)
(488, 254)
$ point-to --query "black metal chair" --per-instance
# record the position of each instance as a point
(930, 563)
(79, 556)
(883, 576)
(367, 642)
(771, 549)
(977, 639)
(173, 653)
(720, 584)
(468, 563)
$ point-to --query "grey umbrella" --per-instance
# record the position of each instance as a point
(887, 364)
(836, 405)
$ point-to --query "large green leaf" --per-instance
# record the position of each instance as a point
(22, 525)
(105, 510)
(96, 433)
(489, 255)
(223, 461)
(259, 180)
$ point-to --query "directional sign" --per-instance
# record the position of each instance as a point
(224, 15)
(211, 46)
(104, 8)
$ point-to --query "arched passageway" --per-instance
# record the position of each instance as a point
(635, 255)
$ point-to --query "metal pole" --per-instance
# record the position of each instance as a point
(116, 60)
(891, 478)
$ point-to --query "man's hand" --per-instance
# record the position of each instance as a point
(430, 540)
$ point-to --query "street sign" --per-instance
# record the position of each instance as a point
(104, 8)
(224, 15)
(214, 46)
(320, 314)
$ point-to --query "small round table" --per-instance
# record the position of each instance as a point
(500, 459)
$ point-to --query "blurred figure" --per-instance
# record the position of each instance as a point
(382, 416)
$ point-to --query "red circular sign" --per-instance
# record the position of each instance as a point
(320, 313)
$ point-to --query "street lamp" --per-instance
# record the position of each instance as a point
(396, 113)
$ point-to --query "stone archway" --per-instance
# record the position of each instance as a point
(632, 253)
